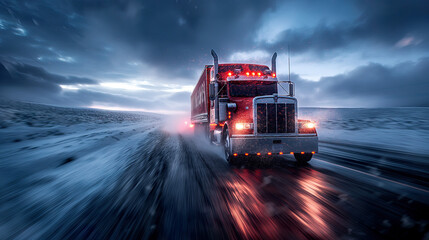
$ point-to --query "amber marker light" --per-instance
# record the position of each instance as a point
(269, 153)
(259, 154)
(302, 152)
(235, 154)
(281, 153)
(246, 154)
(313, 152)
(291, 152)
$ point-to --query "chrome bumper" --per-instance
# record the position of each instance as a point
(274, 144)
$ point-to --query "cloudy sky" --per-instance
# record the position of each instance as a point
(147, 55)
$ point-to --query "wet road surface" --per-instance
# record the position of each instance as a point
(177, 187)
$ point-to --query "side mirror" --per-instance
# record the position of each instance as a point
(291, 89)
(212, 92)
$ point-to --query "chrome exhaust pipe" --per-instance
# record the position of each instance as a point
(273, 63)
(216, 66)
(216, 63)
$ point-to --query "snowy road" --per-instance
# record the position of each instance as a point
(138, 181)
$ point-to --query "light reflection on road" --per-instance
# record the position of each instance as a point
(257, 211)
(248, 210)
(312, 213)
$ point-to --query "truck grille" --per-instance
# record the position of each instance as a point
(275, 118)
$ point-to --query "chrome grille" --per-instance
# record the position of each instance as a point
(275, 117)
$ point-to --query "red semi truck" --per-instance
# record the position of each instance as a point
(239, 107)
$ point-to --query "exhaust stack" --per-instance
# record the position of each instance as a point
(273, 63)
(216, 63)
(216, 66)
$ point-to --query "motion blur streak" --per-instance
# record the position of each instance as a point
(248, 210)
(314, 216)
(90, 174)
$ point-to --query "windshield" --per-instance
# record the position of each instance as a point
(252, 88)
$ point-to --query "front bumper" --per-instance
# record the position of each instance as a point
(274, 144)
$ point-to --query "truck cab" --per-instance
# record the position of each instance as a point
(247, 115)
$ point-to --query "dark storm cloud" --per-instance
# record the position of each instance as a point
(34, 84)
(174, 35)
(380, 23)
(12, 80)
(373, 85)
(43, 26)
(25, 71)
(30, 83)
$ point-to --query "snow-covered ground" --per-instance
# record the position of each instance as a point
(51, 157)
(401, 129)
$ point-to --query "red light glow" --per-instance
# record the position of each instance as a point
(259, 74)
(313, 152)
(229, 74)
(235, 154)
(247, 73)
(274, 75)
(191, 125)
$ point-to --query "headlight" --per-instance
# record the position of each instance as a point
(241, 126)
(309, 125)
(306, 126)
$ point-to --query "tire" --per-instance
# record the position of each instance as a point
(303, 158)
(227, 147)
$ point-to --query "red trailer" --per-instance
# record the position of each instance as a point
(239, 107)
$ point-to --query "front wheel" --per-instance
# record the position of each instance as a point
(303, 158)
(227, 146)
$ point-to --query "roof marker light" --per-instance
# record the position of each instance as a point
(302, 152)
(235, 154)
(259, 74)
(253, 73)
(291, 152)
(313, 152)
(281, 153)
(274, 75)
(230, 74)
(247, 73)
(259, 154)
(246, 154)
(269, 153)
